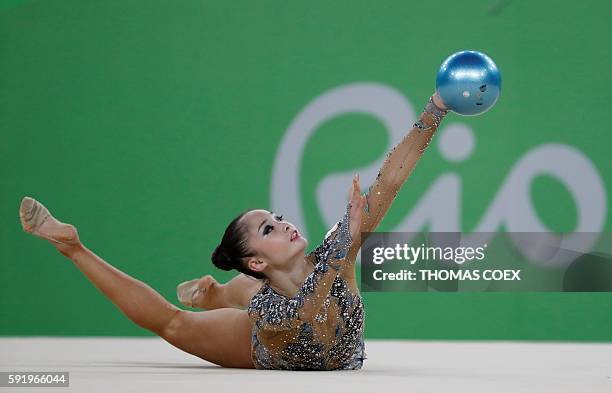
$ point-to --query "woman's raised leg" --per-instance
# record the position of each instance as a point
(221, 336)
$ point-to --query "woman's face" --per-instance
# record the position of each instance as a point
(275, 242)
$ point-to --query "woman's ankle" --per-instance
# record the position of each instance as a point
(70, 250)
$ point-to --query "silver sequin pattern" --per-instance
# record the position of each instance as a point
(437, 113)
(333, 339)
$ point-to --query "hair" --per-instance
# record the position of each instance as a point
(233, 248)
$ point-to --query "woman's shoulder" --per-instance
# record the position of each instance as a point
(271, 309)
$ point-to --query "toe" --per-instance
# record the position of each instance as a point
(27, 204)
(185, 290)
(25, 209)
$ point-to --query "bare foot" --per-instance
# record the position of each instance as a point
(199, 293)
(36, 219)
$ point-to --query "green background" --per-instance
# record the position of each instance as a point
(151, 124)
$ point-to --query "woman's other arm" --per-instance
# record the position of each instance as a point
(398, 165)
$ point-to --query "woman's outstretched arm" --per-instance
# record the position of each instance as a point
(399, 164)
(219, 336)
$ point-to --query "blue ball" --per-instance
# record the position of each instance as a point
(468, 82)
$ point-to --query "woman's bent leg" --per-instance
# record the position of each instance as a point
(208, 294)
(221, 336)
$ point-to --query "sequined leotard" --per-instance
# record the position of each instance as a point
(321, 328)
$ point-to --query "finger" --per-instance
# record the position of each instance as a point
(350, 192)
(356, 199)
(356, 209)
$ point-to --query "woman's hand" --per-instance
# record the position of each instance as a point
(437, 100)
(357, 204)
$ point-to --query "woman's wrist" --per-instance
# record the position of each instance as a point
(433, 113)
(436, 110)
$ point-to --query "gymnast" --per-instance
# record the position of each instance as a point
(286, 310)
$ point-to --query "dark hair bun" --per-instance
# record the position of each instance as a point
(232, 249)
(221, 260)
